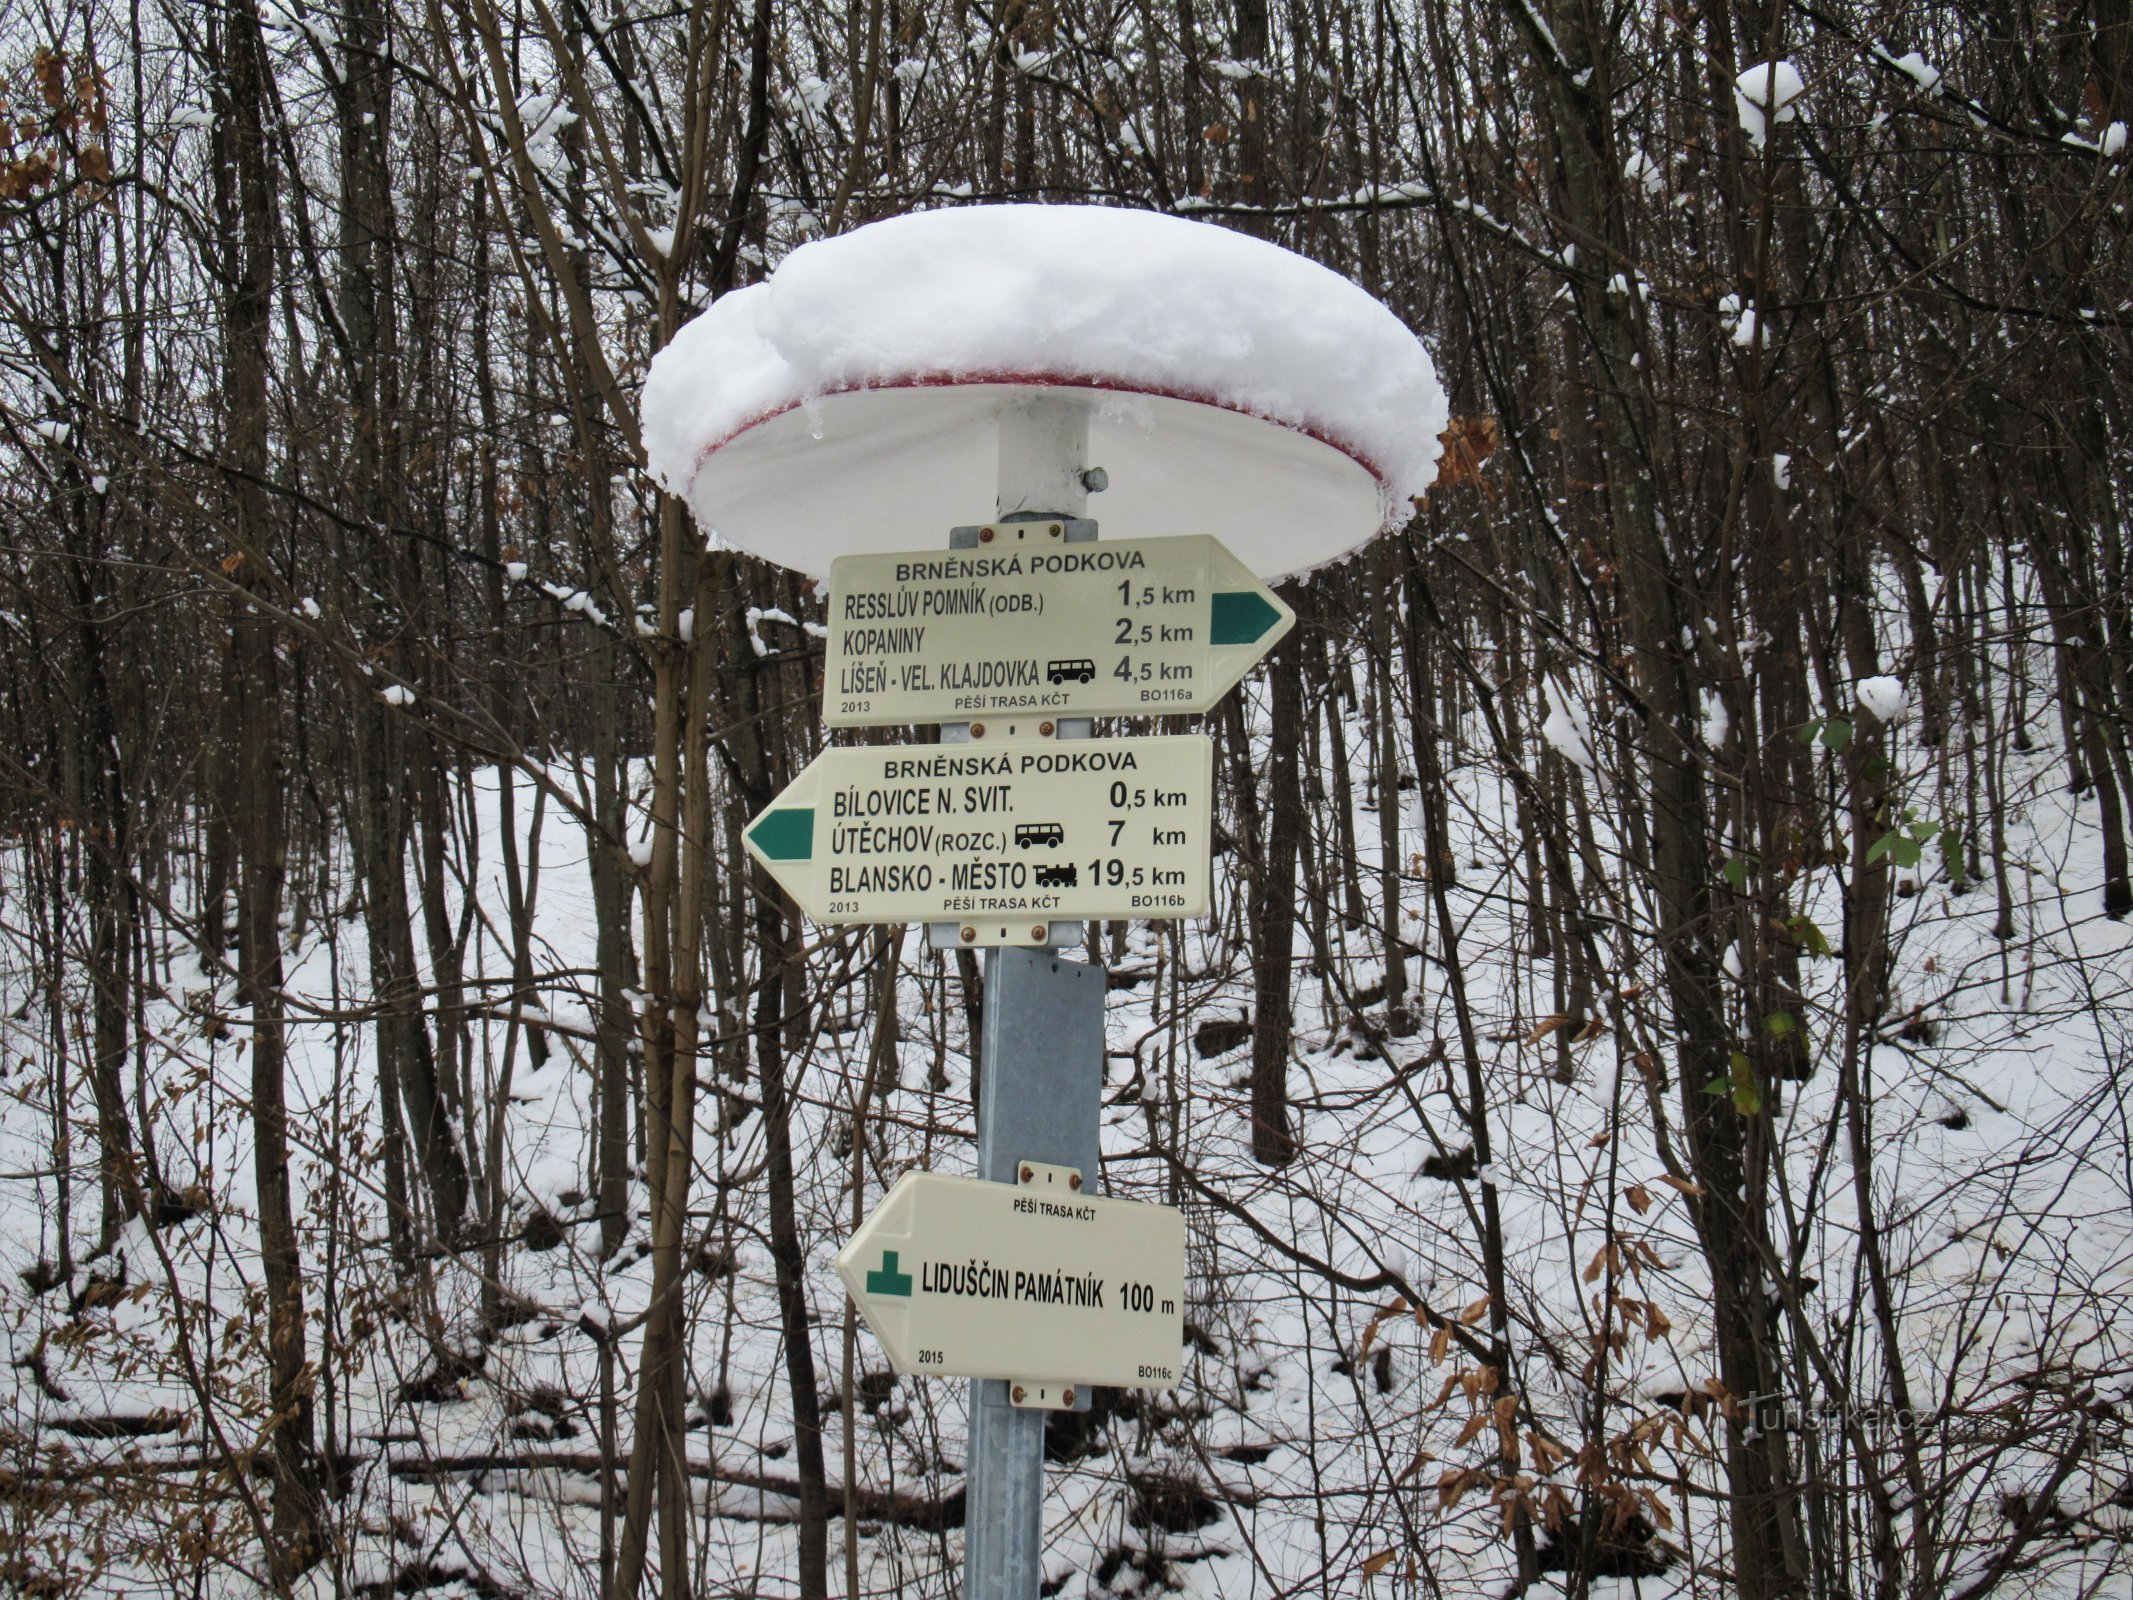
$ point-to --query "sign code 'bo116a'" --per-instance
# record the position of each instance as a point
(1005, 833)
(957, 1277)
(1028, 625)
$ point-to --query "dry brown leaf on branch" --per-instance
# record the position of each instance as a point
(1657, 1508)
(1546, 1026)
(1475, 1312)
(1639, 1198)
(1370, 1334)
(1693, 1190)
(1558, 1507)
(1468, 442)
(1373, 1565)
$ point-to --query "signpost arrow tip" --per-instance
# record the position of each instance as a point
(785, 833)
(1241, 617)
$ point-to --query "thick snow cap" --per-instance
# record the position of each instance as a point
(852, 402)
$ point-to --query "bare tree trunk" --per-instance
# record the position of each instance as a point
(254, 728)
(1661, 612)
(406, 1058)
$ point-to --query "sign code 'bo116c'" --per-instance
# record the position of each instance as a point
(957, 1277)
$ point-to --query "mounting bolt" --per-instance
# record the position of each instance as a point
(977, 730)
(1074, 1181)
(1096, 480)
(1066, 1396)
(1027, 1174)
(1054, 530)
(969, 935)
(985, 535)
(1044, 730)
(1037, 933)
(1021, 1394)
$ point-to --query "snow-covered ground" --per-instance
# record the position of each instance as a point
(1294, 1458)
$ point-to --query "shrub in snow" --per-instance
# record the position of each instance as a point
(1765, 94)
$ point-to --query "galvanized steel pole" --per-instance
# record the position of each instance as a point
(1041, 1075)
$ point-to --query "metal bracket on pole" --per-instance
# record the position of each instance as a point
(1046, 1175)
(1019, 528)
(1033, 1394)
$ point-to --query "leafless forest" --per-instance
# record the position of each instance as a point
(1652, 1115)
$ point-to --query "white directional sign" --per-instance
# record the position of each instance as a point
(990, 1280)
(1002, 837)
(1028, 624)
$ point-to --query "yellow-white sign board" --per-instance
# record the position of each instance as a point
(989, 1280)
(1001, 837)
(1029, 625)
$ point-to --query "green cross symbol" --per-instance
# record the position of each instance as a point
(888, 1280)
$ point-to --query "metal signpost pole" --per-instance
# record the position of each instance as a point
(1040, 1086)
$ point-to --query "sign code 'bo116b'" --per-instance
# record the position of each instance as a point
(1008, 831)
(957, 1277)
(1029, 626)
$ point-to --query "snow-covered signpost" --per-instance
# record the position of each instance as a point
(1244, 413)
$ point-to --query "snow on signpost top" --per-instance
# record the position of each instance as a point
(851, 401)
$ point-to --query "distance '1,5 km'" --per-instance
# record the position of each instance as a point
(1089, 629)
(1132, 670)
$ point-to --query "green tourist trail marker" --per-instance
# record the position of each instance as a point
(1032, 1282)
(889, 1278)
(1027, 623)
(1000, 836)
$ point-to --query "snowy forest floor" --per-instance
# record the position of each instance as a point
(1316, 1441)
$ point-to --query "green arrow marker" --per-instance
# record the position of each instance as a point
(1239, 617)
(888, 1280)
(787, 835)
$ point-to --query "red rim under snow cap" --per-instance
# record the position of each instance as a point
(851, 401)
